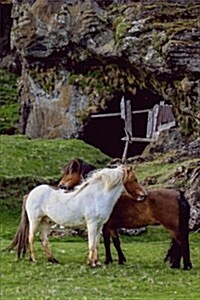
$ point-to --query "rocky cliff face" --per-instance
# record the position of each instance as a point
(77, 55)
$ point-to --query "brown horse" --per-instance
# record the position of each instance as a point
(166, 207)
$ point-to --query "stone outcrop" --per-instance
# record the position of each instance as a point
(193, 195)
(76, 55)
(185, 178)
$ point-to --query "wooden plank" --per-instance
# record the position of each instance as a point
(166, 126)
(141, 111)
(128, 120)
(127, 116)
(105, 115)
(125, 151)
(149, 131)
(118, 114)
(139, 139)
(122, 109)
(155, 116)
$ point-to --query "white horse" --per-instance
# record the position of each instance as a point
(89, 205)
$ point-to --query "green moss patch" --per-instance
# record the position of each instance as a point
(9, 113)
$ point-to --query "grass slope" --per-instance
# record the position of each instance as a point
(43, 158)
(26, 163)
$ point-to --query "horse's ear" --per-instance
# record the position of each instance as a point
(73, 166)
(129, 169)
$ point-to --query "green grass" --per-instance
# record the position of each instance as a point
(144, 276)
(43, 158)
(27, 163)
(9, 113)
(162, 171)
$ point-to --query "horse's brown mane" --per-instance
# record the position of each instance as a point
(77, 165)
(72, 166)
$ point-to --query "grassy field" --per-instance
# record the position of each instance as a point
(144, 276)
(25, 163)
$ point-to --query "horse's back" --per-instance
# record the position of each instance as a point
(164, 206)
(40, 189)
(166, 197)
(38, 195)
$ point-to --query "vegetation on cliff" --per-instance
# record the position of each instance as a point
(9, 113)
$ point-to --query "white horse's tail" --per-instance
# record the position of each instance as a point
(20, 241)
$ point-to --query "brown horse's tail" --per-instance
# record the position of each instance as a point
(20, 241)
(181, 249)
(184, 216)
(184, 211)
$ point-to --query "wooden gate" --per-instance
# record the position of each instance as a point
(159, 118)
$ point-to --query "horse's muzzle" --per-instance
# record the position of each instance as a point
(62, 187)
(141, 196)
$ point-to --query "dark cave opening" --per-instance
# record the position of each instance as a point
(106, 133)
(5, 28)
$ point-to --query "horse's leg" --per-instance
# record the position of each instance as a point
(174, 254)
(106, 239)
(116, 242)
(32, 230)
(92, 240)
(179, 248)
(44, 241)
(96, 258)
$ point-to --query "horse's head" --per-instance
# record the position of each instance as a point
(71, 175)
(69, 181)
(132, 185)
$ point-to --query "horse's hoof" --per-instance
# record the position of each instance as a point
(32, 260)
(187, 267)
(122, 261)
(93, 265)
(175, 266)
(108, 261)
(98, 263)
(53, 260)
